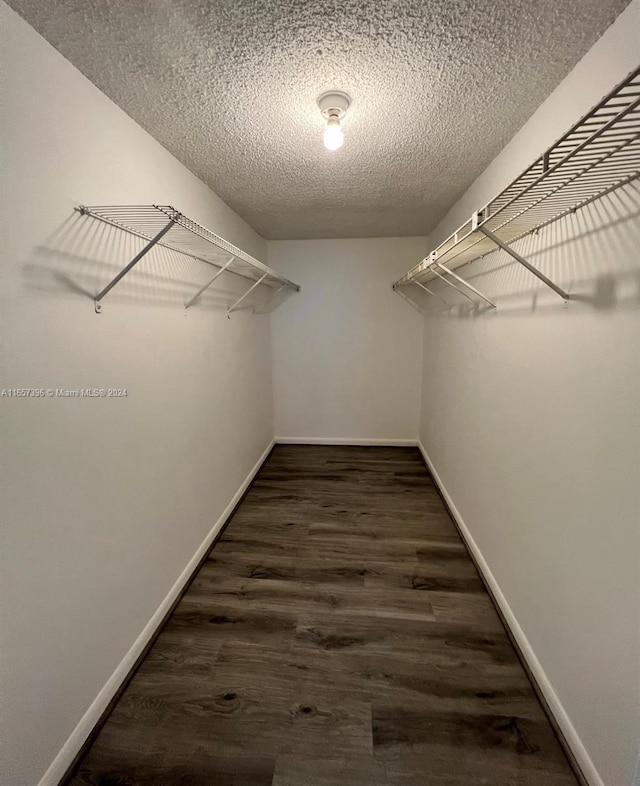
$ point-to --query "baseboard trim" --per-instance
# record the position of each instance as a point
(576, 753)
(397, 443)
(94, 718)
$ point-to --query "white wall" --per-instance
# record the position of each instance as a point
(530, 418)
(346, 350)
(104, 501)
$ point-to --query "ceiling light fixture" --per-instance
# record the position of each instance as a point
(333, 106)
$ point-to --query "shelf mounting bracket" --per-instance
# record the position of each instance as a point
(464, 283)
(232, 308)
(272, 296)
(433, 294)
(206, 286)
(408, 300)
(564, 295)
(131, 265)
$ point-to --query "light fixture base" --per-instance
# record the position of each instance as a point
(334, 103)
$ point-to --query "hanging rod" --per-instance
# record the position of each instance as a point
(600, 153)
(165, 226)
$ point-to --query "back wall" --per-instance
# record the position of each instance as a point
(347, 349)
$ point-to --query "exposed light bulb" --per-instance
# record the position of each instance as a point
(333, 136)
(333, 107)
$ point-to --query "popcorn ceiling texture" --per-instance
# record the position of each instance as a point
(230, 88)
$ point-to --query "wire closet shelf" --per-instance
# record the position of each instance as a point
(165, 226)
(597, 155)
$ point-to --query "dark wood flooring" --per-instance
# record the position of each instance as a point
(337, 635)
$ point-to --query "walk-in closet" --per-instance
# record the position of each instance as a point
(319, 373)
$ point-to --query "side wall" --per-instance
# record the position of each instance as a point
(105, 501)
(346, 350)
(530, 419)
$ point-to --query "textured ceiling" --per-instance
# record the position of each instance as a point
(230, 88)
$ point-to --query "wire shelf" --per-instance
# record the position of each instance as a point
(165, 226)
(598, 154)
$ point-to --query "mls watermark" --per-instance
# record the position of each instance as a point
(64, 393)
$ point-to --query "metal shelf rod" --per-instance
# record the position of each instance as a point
(272, 295)
(464, 283)
(248, 292)
(206, 286)
(433, 294)
(132, 264)
(524, 262)
(457, 288)
(406, 299)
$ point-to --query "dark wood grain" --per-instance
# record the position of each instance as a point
(337, 635)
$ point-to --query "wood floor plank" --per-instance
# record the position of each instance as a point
(177, 767)
(358, 771)
(503, 746)
(337, 635)
(308, 598)
(284, 567)
(434, 576)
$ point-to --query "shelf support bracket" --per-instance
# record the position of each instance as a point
(206, 286)
(433, 294)
(232, 308)
(131, 265)
(408, 300)
(463, 282)
(564, 295)
(272, 296)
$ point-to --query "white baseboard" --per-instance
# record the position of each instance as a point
(398, 443)
(546, 688)
(75, 742)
